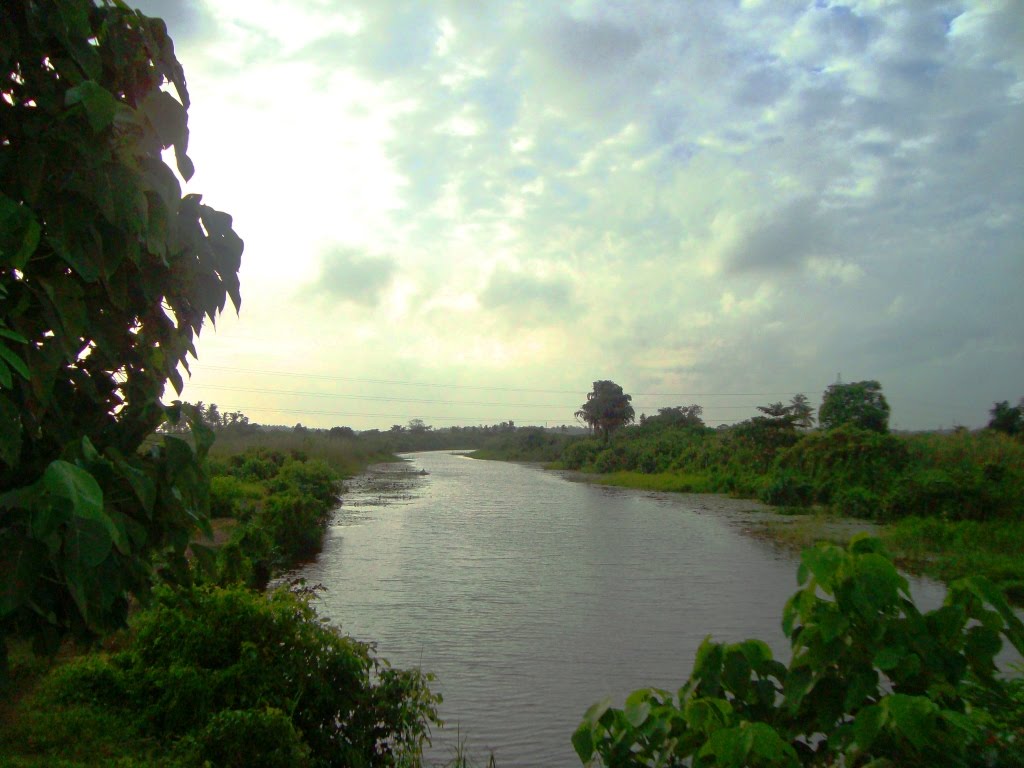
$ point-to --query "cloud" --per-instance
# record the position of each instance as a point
(529, 299)
(348, 275)
(781, 239)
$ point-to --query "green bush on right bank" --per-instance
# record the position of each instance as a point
(855, 472)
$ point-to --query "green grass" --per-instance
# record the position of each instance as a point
(349, 456)
(948, 550)
(677, 482)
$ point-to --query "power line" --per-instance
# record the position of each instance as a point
(396, 382)
(305, 412)
(306, 393)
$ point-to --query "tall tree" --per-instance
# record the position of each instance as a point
(803, 412)
(107, 275)
(607, 408)
(860, 404)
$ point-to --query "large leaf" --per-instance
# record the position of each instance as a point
(64, 480)
(21, 561)
(99, 104)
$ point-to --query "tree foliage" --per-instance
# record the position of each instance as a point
(872, 682)
(607, 408)
(860, 404)
(107, 275)
(1007, 418)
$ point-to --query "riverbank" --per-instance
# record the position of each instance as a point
(944, 550)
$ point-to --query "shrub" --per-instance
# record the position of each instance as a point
(233, 497)
(789, 490)
(581, 453)
(872, 681)
(251, 738)
(237, 674)
(857, 502)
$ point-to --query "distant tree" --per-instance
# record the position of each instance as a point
(607, 408)
(418, 426)
(396, 429)
(677, 416)
(1007, 418)
(213, 417)
(860, 403)
(341, 432)
(803, 413)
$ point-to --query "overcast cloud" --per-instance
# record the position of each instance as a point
(692, 199)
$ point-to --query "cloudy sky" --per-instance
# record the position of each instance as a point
(467, 212)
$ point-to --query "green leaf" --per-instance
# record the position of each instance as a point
(87, 541)
(70, 25)
(99, 104)
(15, 362)
(596, 711)
(10, 431)
(889, 657)
(823, 561)
(64, 480)
(19, 234)
(583, 742)
(912, 716)
(636, 712)
(21, 561)
(867, 726)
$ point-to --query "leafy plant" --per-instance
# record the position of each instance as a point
(872, 681)
(240, 678)
(107, 274)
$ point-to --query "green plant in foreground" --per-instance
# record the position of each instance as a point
(236, 677)
(872, 682)
(107, 275)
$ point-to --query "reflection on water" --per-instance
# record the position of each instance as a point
(531, 597)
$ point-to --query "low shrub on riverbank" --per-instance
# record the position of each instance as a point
(229, 676)
(282, 504)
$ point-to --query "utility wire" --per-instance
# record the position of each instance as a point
(306, 393)
(474, 386)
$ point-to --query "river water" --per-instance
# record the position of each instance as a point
(531, 596)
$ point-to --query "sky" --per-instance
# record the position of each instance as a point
(468, 212)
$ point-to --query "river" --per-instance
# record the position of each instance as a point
(531, 596)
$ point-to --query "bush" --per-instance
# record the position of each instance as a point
(581, 453)
(233, 497)
(871, 681)
(251, 738)
(857, 502)
(236, 675)
(788, 490)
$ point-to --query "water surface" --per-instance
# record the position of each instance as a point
(531, 597)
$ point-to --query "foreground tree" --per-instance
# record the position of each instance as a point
(860, 404)
(107, 275)
(607, 408)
